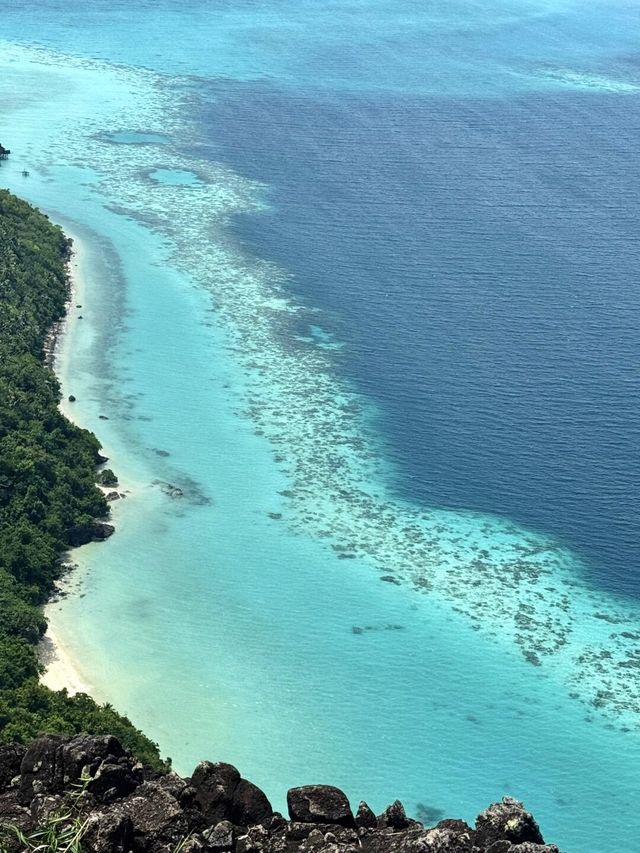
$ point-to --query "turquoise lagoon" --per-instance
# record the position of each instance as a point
(289, 611)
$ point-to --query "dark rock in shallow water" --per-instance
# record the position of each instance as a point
(428, 814)
(169, 489)
(128, 808)
(319, 804)
(93, 531)
(113, 496)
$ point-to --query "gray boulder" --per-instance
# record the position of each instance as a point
(319, 804)
(508, 820)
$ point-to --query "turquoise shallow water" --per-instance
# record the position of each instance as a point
(246, 620)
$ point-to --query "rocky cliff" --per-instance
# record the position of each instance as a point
(90, 791)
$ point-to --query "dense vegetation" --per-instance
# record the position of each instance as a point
(47, 482)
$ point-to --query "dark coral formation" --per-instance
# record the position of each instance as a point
(122, 806)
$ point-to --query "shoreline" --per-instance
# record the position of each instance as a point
(61, 353)
(61, 671)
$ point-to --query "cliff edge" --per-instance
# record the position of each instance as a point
(89, 790)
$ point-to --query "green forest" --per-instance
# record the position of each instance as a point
(48, 473)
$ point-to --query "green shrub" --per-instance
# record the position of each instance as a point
(47, 483)
(107, 478)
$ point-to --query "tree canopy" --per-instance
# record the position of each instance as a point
(47, 482)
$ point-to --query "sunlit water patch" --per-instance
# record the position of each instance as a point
(568, 77)
(135, 137)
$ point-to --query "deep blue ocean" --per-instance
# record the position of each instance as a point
(480, 258)
(477, 254)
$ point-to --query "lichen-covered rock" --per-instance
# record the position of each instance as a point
(214, 785)
(222, 794)
(220, 837)
(249, 805)
(319, 804)
(194, 844)
(449, 835)
(40, 770)
(128, 808)
(365, 818)
(156, 816)
(411, 840)
(110, 832)
(11, 755)
(258, 839)
(394, 816)
(84, 754)
(12, 814)
(113, 781)
(507, 820)
(43, 806)
(52, 763)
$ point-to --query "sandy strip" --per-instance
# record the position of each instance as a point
(60, 671)
(64, 352)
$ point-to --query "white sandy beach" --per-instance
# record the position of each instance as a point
(61, 669)
(61, 672)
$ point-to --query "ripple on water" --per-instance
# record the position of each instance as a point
(521, 589)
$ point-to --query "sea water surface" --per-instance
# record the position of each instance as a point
(359, 329)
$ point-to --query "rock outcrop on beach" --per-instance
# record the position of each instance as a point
(90, 531)
(117, 805)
